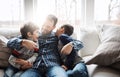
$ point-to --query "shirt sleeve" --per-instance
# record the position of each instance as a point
(14, 43)
(77, 45)
(65, 39)
(33, 58)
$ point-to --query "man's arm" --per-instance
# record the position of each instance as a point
(17, 43)
(14, 43)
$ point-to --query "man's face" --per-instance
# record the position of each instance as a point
(47, 27)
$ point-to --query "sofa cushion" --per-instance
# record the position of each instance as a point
(102, 71)
(108, 51)
(90, 39)
(4, 52)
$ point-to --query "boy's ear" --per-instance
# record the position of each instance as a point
(29, 34)
(63, 30)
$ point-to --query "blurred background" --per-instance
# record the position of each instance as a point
(75, 12)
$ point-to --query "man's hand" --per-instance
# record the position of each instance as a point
(26, 66)
(21, 61)
(29, 44)
(66, 50)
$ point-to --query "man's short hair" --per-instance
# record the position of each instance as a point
(54, 18)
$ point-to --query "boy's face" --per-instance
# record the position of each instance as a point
(35, 35)
(47, 27)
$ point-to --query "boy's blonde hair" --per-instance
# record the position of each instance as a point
(28, 27)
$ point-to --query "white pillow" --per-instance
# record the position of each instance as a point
(90, 39)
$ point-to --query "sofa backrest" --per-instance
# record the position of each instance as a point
(9, 32)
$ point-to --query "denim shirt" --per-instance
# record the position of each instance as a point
(48, 50)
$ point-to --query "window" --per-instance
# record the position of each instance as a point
(68, 11)
(106, 9)
(12, 11)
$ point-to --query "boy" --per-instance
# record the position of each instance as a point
(71, 62)
(23, 57)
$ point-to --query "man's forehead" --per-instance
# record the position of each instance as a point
(49, 22)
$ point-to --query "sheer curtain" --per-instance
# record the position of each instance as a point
(12, 11)
(67, 11)
(106, 10)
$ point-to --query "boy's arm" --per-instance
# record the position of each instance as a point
(66, 50)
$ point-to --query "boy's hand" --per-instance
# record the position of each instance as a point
(66, 50)
(29, 44)
(64, 67)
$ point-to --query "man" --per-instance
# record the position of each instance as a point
(48, 60)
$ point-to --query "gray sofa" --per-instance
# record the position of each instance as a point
(93, 69)
(101, 50)
(5, 34)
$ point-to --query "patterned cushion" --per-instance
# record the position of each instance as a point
(4, 52)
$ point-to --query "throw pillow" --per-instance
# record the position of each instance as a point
(108, 52)
(4, 52)
(90, 39)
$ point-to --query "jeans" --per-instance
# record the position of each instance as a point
(55, 71)
(12, 72)
(80, 70)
